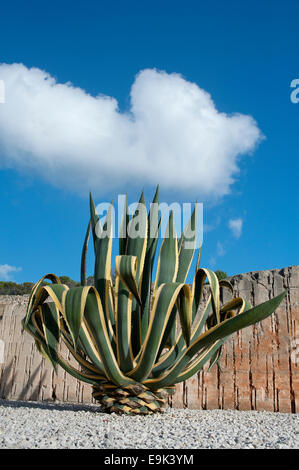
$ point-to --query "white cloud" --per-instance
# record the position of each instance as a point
(236, 227)
(6, 270)
(212, 226)
(220, 249)
(172, 134)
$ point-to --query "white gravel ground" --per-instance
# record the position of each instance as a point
(31, 425)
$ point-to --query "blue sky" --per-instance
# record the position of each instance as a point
(243, 54)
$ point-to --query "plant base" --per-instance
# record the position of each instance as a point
(134, 399)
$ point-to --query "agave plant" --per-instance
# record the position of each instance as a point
(136, 338)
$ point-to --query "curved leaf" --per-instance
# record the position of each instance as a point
(224, 329)
(51, 277)
(166, 296)
(126, 268)
(83, 256)
(168, 261)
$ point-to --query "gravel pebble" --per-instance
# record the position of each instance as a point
(32, 425)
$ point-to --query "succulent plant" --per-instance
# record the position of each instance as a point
(136, 337)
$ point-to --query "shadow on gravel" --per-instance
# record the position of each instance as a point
(50, 406)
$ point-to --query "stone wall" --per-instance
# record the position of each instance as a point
(259, 368)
